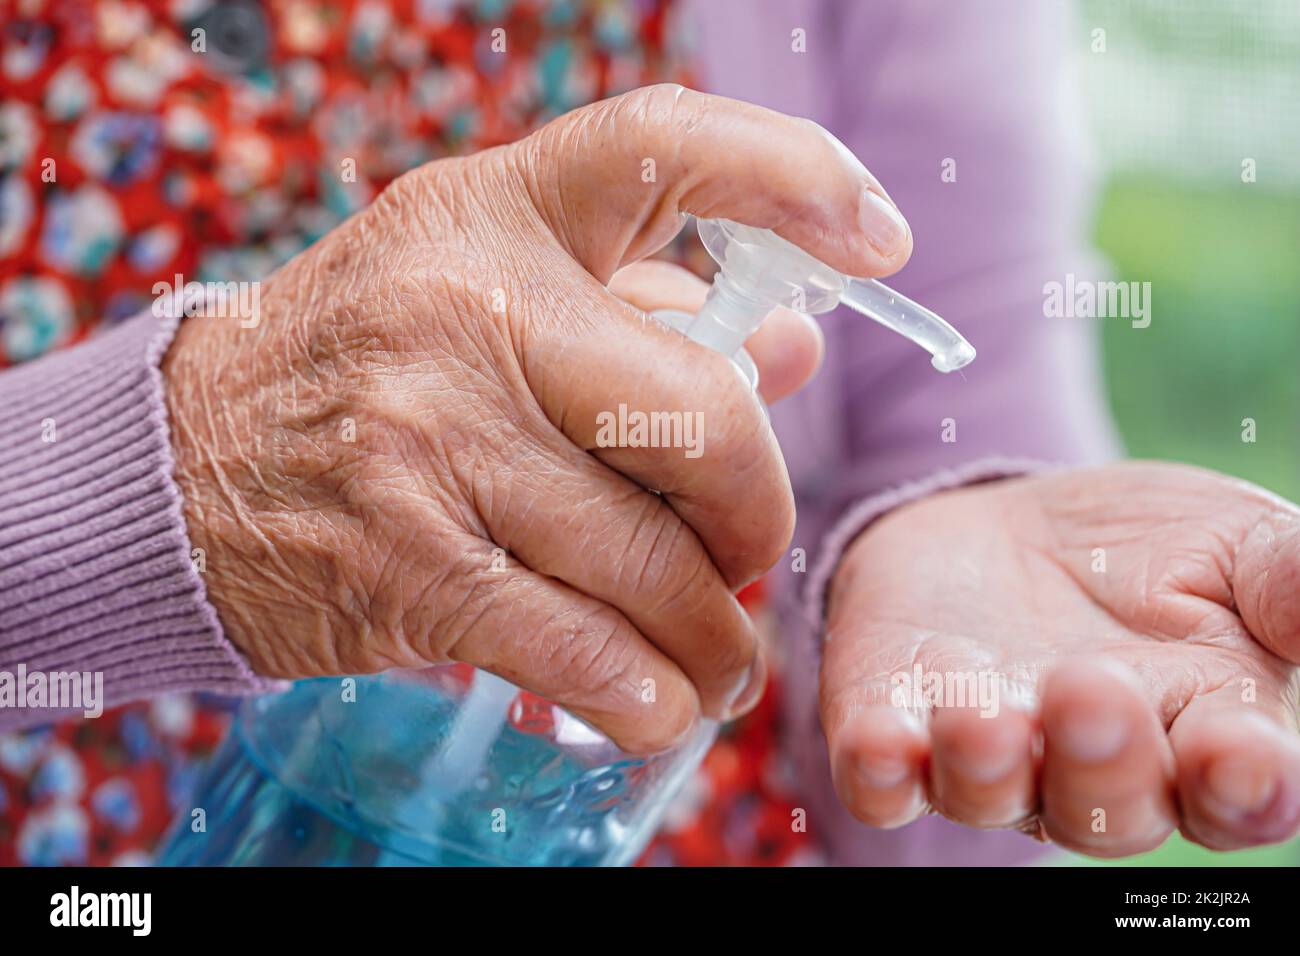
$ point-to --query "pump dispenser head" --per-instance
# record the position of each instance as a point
(759, 271)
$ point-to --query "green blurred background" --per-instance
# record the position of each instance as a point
(1183, 94)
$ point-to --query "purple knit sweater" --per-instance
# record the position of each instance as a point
(95, 567)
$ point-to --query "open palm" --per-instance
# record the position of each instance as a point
(1098, 656)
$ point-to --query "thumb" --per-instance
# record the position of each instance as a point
(613, 179)
(1266, 583)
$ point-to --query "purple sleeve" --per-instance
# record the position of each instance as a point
(96, 574)
(914, 90)
(969, 118)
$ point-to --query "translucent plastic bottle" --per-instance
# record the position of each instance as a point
(455, 767)
(308, 777)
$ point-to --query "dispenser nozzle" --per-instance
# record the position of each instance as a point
(760, 270)
(948, 350)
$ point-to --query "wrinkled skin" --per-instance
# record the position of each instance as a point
(1161, 689)
(389, 470)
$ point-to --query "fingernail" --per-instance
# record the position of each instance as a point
(986, 769)
(882, 223)
(1091, 738)
(1240, 787)
(881, 773)
(751, 691)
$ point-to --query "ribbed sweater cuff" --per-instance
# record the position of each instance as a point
(95, 564)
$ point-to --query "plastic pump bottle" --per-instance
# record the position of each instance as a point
(452, 766)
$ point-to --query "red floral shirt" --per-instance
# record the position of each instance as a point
(141, 139)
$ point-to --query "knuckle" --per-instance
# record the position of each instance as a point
(689, 579)
(667, 108)
(655, 99)
(813, 130)
(595, 659)
(649, 561)
(453, 602)
(669, 90)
